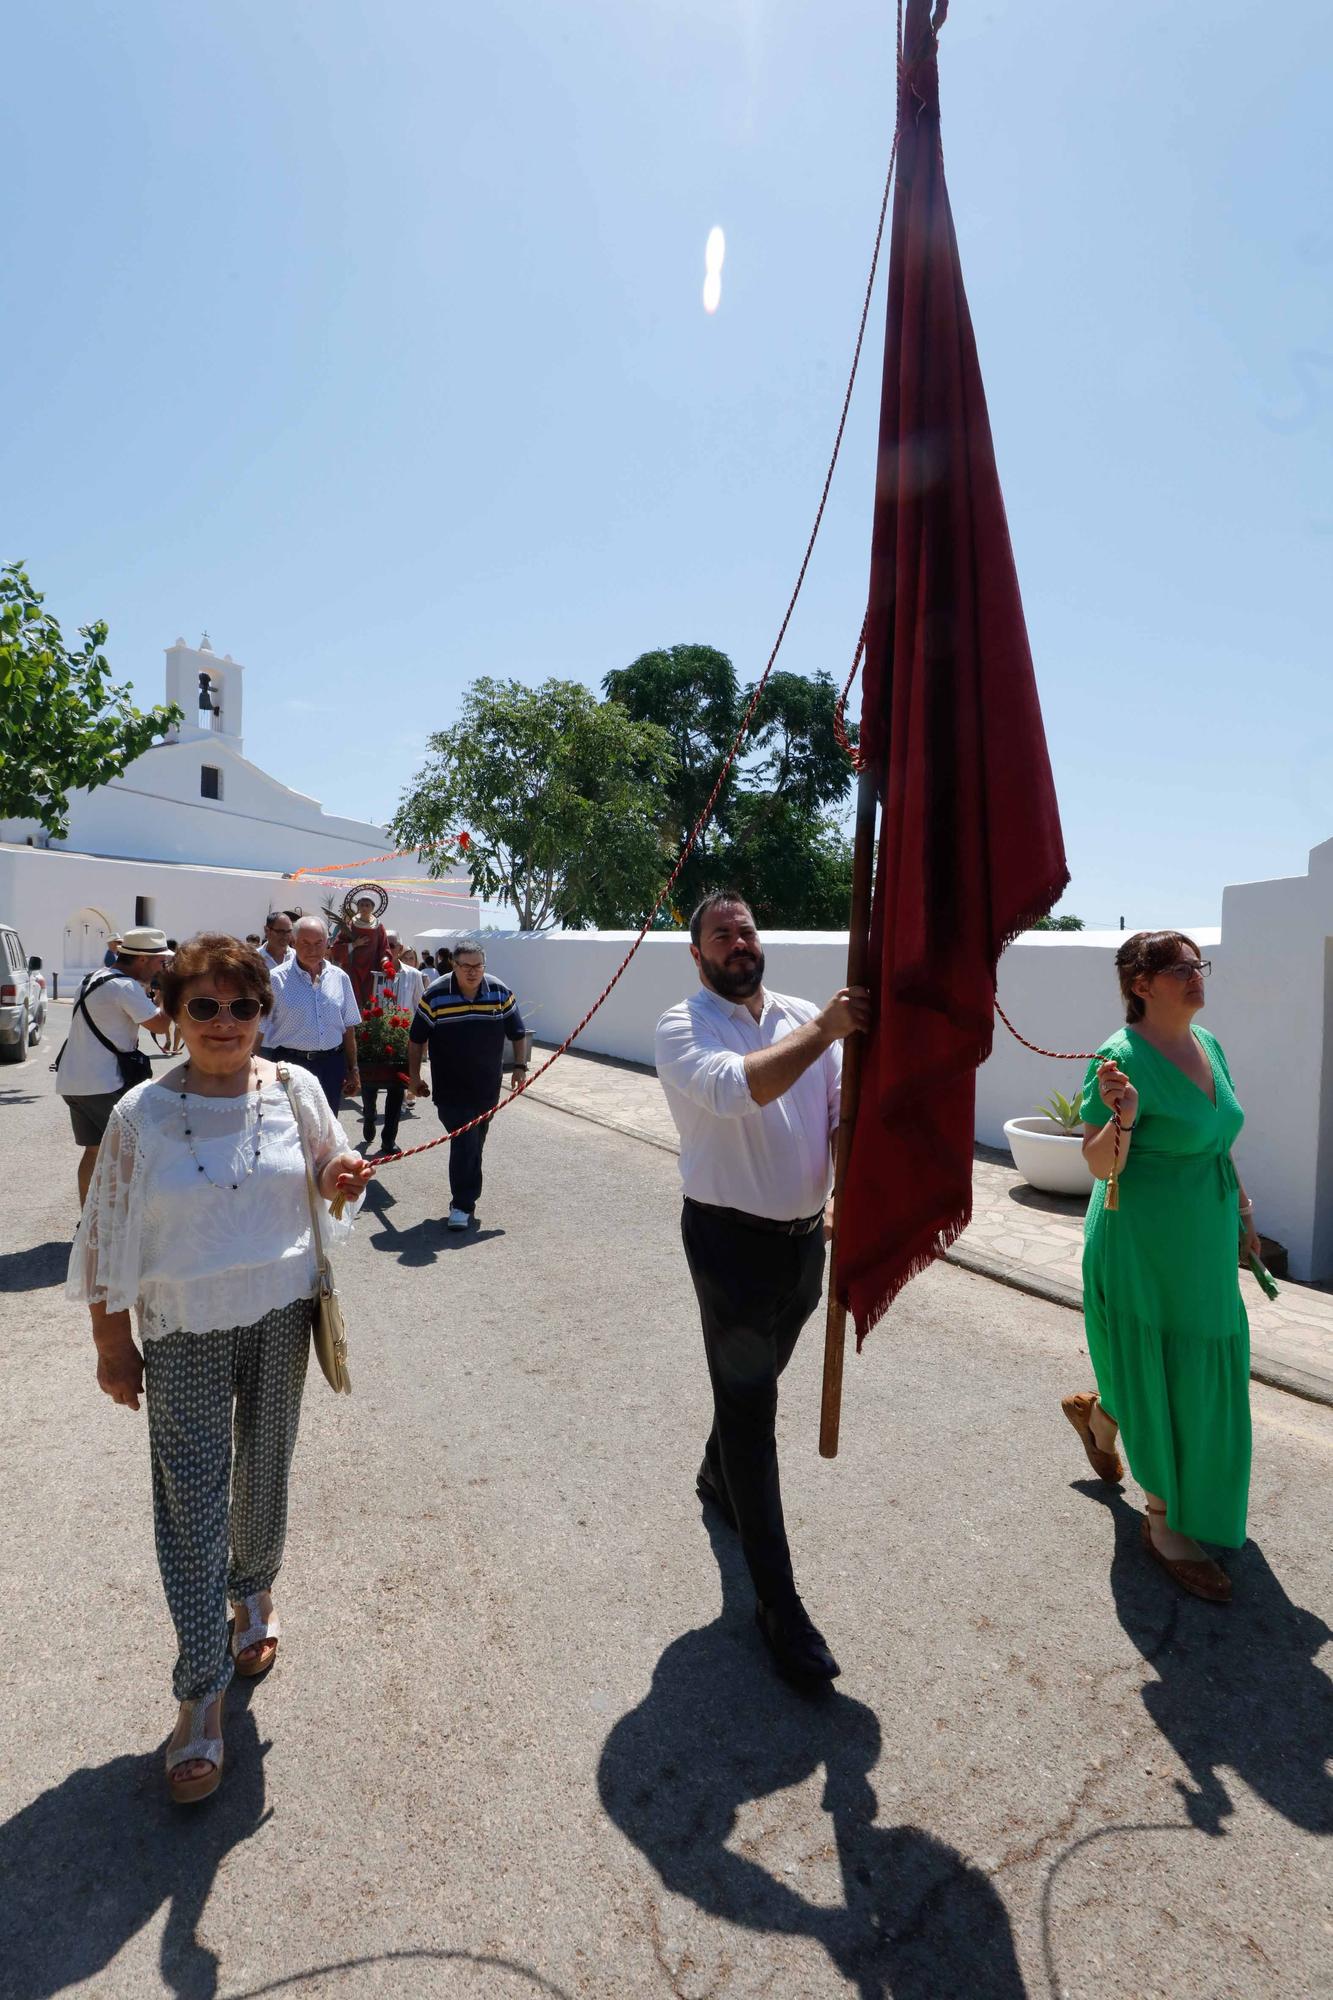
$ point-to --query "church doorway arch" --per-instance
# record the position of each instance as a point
(86, 934)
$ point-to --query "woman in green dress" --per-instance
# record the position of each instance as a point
(1166, 1325)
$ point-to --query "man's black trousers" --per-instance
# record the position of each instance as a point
(329, 1065)
(756, 1290)
(394, 1093)
(465, 1153)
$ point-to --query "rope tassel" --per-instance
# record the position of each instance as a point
(1113, 1183)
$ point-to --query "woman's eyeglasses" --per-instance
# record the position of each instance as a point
(203, 1007)
(1187, 968)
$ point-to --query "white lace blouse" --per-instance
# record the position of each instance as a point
(159, 1237)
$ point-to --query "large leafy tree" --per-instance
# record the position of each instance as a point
(565, 798)
(776, 830)
(692, 693)
(64, 724)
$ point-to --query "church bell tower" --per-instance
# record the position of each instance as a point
(208, 689)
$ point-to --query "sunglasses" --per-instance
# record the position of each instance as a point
(204, 1007)
(1187, 967)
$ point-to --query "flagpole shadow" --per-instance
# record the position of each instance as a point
(716, 1730)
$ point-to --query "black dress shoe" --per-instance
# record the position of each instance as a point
(713, 1496)
(796, 1643)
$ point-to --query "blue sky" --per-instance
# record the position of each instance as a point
(370, 338)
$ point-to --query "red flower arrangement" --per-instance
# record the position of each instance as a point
(382, 1038)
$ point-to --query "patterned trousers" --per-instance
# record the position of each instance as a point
(223, 1410)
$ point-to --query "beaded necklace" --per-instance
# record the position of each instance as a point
(253, 1161)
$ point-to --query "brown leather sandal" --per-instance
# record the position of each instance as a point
(1201, 1577)
(1106, 1464)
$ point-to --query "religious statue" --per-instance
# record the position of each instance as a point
(362, 945)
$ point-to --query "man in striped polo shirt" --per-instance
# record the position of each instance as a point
(465, 1018)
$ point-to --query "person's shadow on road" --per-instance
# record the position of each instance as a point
(89, 1862)
(1237, 1684)
(716, 1729)
(421, 1243)
(29, 1270)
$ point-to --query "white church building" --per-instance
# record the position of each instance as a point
(193, 836)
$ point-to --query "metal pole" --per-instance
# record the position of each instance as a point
(858, 970)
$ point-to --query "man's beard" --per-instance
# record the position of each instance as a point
(737, 979)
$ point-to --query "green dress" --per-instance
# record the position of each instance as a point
(1166, 1325)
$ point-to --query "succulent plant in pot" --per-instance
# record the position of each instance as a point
(1048, 1147)
(1064, 1112)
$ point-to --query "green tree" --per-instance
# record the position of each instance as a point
(1059, 924)
(795, 872)
(692, 693)
(775, 832)
(565, 798)
(64, 724)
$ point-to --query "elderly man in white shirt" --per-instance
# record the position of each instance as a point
(315, 1016)
(752, 1080)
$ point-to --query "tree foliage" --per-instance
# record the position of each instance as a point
(775, 833)
(64, 724)
(692, 693)
(1059, 924)
(566, 799)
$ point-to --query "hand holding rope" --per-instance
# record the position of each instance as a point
(1056, 1055)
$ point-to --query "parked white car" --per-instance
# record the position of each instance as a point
(22, 998)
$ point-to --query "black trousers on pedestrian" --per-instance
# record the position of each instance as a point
(465, 1152)
(393, 1110)
(756, 1290)
(329, 1065)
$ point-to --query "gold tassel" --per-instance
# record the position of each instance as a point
(1113, 1189)
(339, 1203)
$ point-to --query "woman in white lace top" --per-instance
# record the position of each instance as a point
(197, 1221)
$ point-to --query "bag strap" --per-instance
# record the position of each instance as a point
(312, 1192)
(94, 984)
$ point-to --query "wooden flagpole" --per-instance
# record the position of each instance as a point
(858, 974)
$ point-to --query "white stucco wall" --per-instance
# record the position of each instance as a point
(42, 892)
(1273, 1014)
(1270, 1002)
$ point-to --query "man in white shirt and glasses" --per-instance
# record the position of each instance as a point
(315, 1016)
(277, 946)
(752, 1080)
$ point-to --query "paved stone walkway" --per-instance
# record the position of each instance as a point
(1020, 1237)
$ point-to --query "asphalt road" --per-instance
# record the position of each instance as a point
(523, 1740)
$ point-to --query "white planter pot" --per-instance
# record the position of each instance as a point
(1048, 1157)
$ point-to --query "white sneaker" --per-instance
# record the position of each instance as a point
(458, 1218)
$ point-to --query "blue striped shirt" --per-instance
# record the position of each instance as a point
(466, 1038)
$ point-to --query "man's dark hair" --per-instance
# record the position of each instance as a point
(712, 901)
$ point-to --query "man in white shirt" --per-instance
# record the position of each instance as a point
(315, 1016)
(111, 1007)
(408, 984)
(400, 992)
(752, 1080)
(277, 946)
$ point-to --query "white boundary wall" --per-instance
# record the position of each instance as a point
(1270, 1004)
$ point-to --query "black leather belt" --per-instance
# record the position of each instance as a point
(804, 1225)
